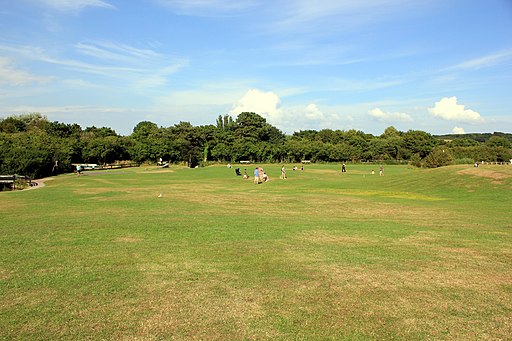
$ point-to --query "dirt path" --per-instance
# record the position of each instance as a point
(40, 183)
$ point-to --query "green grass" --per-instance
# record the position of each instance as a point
(415, 254)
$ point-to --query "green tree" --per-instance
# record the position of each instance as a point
(104, 150)
(390, 132)
(147, 142)
(255, 139)
(438, 157)
(498, 141)
(419, 142)
(27, 153)
(463, 142)
(99, 132)
(188, 142)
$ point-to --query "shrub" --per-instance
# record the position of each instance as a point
(416, 160)
(463, 161)
(438, 157)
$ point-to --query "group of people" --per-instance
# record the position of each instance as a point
(261, 176)
(381, 170)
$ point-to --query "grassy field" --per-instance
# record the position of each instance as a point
(415, 254)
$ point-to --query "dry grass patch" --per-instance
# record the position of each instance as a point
(92, 190)
(192, 301)
(323, 237)
(397, 195)
(420, 238)
(207, 199)
(156, 171)
(28, 299)
(4, 274)
(11, 206)
(359, 209)
(449, 302)
(128, 239)
(498, 176)
(323, 171)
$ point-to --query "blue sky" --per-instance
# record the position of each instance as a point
(441, 66)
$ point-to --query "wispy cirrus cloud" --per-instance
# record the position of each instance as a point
(153, 67)
(353, 85)
(208, 8)
(141, 67)
(484, 61)
(107, 50)
(329, 16)
(73, 5)
(12, 75)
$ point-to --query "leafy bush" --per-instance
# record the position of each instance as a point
(438, 157)
(463, 161)
(416, 160)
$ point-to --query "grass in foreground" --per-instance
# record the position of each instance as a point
(416, 254)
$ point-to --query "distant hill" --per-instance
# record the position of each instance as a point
(480, 137)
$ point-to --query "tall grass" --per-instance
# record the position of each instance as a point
(415, 254)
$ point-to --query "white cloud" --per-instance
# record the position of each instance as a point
(351, 85)
(458, 130)
(313, 113)
(448, 109)
(86, 116)
(389, 116)
(263, 103)
(288, 119)
(333, 17)
(208, 8)
(485, 61)
(116, 52)
(313, 116)
(74, 5)
(141, 68)
(11, 75)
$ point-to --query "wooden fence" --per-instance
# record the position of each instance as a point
(16, 181)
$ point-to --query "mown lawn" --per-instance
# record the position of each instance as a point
(415, 254)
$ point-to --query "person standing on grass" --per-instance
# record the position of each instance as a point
(55, 166)
(256, 176)
(381, 170)
(343, 168)
(283, 173)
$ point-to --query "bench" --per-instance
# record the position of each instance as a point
(11, 180)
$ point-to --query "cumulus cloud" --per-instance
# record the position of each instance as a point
(313, 113)
(448, 109)
(389, 116)
(458, 130)
(262, 103)
(292, 118)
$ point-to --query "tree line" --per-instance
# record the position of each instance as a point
(32, 145)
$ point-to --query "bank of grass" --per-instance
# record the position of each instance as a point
(415, 254)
